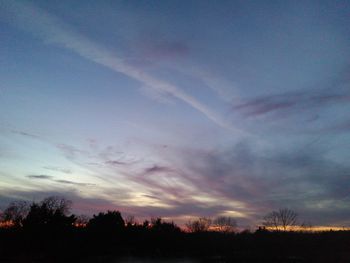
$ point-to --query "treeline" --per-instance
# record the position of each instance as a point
(47, 232)
(54, 213)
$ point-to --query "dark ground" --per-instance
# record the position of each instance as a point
(141, 245)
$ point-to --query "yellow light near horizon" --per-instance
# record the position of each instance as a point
(311, 228)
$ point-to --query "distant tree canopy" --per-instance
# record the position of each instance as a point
(200, 225)
(53, 213)
(283, 218)
(50, 213)
(105, 222)
(223, 224)
(159, 225)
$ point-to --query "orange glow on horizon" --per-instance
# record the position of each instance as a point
(6, 224)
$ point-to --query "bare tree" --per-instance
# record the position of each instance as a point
(130, 220)
(15, 213)
(57, 204)
(287, 218)
(201, 225)
(271, 220)
(282, 218)
(225, 224)
(306, 226)
(82, 221)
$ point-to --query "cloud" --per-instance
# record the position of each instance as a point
(292, 102)
(266, 180)
(71, 152)
(158, 169)
(73, 183)
(115, 162)
(152, 196)
(85, 205)
(244, 178)
(51, 178)
(160, 49)
(92, 205)
(39, 176)
(54, 31)
(343, 126)
(58, 169)
(241, 179)
(26, 134)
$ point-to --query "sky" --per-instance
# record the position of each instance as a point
(178, 109)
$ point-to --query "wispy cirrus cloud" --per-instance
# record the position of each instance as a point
(343, 126)
(115, 162)
(58, 169)
(70, 151)
(159, 49)
(26, 134)
(158, 169)
(240, 180)
(54, 31)
(73, 183)
(291, 102)
(40, 176)
(52, 179)
(304, 179)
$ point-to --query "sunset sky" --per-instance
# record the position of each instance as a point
(178, 109)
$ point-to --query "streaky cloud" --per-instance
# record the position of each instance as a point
(26, 134)
(163, 49)
(40, 176)
(54, 31)
(292, 101)
(73, 183)
(158, 169)
(115, 162)
(51, 178)
(58, 169)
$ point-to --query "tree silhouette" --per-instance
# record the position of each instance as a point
(225, 224)
(158, 225)
(271, 220)
(51, 213)
(130, 221)
(283, 218)
(58, 204)
(15, 213)
(146, 224)
(106, 222)
(51, 234)
(201, 225)
(82, 221)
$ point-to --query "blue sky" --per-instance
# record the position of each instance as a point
(178, 109)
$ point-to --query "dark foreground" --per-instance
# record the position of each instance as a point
(83, 245)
